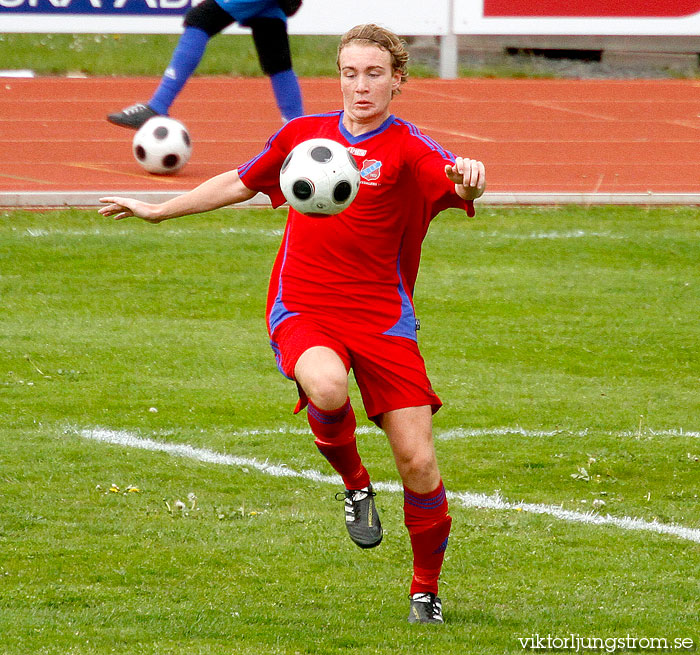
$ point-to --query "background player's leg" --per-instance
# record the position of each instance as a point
(201, 23)
(272, 45)
(186, 57)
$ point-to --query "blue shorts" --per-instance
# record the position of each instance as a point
(243, 10)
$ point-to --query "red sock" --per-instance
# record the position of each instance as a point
(428, 526)
(335, 438)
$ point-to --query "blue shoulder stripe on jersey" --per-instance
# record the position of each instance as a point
(243, 168)
(431, 143)
(362, 137)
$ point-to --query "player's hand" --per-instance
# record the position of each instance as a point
(120, 208)
(469, 177)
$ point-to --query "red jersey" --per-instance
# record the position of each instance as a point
(356, 270)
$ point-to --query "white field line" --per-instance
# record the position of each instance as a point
(37, 233)
(554, 234)
(467, 433)
(109, 231)
(465, 499)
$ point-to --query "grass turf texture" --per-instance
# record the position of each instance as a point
(578, 321)
(234, 54)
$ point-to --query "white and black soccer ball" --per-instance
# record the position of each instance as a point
(320, 177)
(162, 145)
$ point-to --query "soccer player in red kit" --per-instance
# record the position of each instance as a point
(341, 291)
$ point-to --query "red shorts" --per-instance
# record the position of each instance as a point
(389, 370)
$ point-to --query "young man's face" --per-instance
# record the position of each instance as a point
(367, 81)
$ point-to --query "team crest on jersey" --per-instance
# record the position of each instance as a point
(371, 169)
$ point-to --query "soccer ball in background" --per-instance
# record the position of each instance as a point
(319, 177)
(162, 145)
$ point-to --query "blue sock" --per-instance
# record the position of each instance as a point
(186, 57)
(287, 94)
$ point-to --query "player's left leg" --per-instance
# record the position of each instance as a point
(272, 45)
(425, 505)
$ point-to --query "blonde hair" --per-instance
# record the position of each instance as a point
(371, 34)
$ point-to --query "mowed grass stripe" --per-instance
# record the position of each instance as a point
(564, 343)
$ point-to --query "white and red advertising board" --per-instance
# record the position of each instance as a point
(408, 17)
(578, 17)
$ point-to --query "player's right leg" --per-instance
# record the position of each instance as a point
(201, 23)
(324, 378)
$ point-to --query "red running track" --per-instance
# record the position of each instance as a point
(535, 136)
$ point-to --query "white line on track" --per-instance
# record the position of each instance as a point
(569, 110)
(465, 499)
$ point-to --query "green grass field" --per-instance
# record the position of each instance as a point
(234, 55)
(113, 54)
(563, 341)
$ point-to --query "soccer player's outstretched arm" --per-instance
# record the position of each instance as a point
(219, 191)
